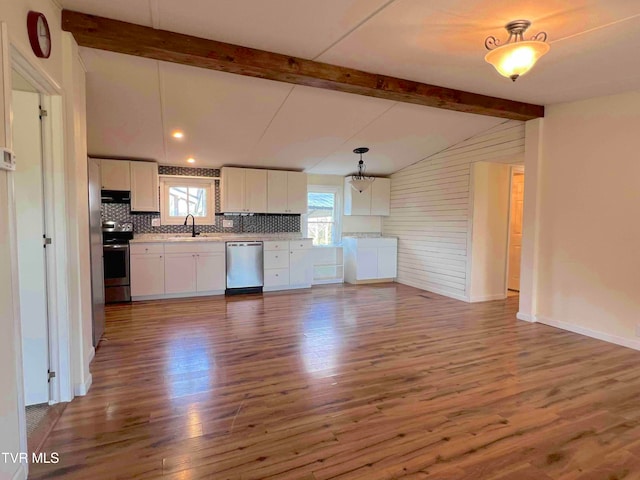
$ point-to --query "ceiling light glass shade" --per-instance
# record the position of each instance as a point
(361, 184)
(515, 59)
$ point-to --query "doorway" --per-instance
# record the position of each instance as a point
(516, 210)
(31, 240)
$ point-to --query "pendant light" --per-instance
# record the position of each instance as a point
(517, 56)
(360, 181)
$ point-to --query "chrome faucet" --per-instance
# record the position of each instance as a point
(193, 224)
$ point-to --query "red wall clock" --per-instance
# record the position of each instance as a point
(39, 34)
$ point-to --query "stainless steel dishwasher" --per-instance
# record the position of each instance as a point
(245, 272)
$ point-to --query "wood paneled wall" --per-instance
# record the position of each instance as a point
(431, 209)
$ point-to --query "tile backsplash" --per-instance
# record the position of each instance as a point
(259, 223)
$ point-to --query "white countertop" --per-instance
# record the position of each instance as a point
(367, 235)
(215, 237)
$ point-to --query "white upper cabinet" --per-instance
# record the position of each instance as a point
(243, 190)
(145, 195)
(296, 192)
(277, 193)
(255, 190)
(115, 175)
(287, 192)
(374, 200)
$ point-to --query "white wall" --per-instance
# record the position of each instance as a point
(431, 210)
(491, 183)
(588, 266)
(14, 14)
(350, 223)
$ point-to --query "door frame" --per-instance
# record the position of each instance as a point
(53, 147)
(515, 169)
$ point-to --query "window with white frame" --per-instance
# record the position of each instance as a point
(323, 214)
(181, 197)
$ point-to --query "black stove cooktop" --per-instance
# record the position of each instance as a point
(116, 233)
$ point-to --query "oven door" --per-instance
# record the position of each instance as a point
(116, 265)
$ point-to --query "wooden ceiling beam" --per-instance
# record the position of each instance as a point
(128, 38)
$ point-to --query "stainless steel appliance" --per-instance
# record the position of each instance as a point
(95, 235)
(244, 267)
(115, 239)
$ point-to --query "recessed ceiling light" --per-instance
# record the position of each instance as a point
(191, 160)
(177, 134)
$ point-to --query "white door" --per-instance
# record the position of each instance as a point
(300, 267)
(297, 192)
(255, 188)
(387, 262)
(28, 181)
(211, 274)
(180, 273)
(147, 275)
(276, 191)
(366, 263)
(515, 230)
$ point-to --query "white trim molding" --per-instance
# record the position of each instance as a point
(488, 298)
(526, 317)
(82, 389)
(21, 473)
(607, 337)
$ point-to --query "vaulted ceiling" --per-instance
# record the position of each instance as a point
(134, 104)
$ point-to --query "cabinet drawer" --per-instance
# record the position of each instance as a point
(146, 248)
(276, 245)
(276, 259)
(194, 247)
(278, 277)
(301, 244)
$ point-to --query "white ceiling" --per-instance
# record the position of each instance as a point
(134, 103)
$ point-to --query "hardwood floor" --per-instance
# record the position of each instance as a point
(342, 382)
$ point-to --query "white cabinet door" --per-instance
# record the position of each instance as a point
(232, 186)
(276, 277)
(387, 262)
(255, 188)
(144, 187)
(276, 259)
(367, 263)
(356, 203)
(277, 191)
(147, 275)
(380, 196)
(115, 175)
(180, 273)
(211, 275)
(300, 267)
(296, 192)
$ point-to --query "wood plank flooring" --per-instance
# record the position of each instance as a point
(341, 382)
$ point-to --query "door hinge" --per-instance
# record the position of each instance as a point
(47, 241)
(43, 113)
(50, 375)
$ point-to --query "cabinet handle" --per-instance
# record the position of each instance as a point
(277, 274)
(160, 256)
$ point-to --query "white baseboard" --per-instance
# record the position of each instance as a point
(607, 337)
(92, 354)
(488, 298)
(82, 389)
(282, 288)
(526, 317)
(21, 473)
(176, 295)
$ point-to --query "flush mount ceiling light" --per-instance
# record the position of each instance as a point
(360, 181)
(177, 134)
(516, 56)
(191, 160)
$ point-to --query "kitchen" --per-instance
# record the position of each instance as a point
(171, 232)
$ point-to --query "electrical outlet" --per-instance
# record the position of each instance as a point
(227, 223)
(155, 222)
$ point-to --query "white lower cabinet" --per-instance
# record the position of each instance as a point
(370, 259)
(177, 269)
(287, 265)
(147, 274)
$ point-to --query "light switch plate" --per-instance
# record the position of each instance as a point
(227, 223)
(155, 222)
